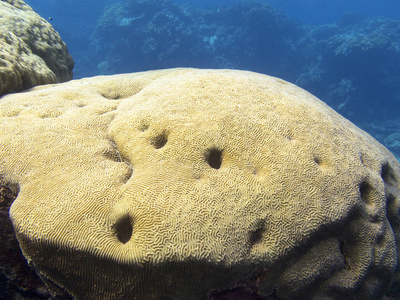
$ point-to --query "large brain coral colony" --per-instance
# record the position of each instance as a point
(185, 183)
(31, 51)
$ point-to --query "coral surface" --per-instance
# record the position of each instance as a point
(188, 183)
(31, 51)
(17, 279)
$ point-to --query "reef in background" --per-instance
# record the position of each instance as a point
(353, 65)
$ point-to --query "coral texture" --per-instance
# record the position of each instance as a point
(31, 51)
(185, 183)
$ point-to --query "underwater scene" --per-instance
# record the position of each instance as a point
(200, 149)
(347, 53)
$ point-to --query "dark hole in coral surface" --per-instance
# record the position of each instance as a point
(366, 192)
(317, 160)
(380, 240)
(387, 174)
(256, 234)
(160, 140)
(123, 229)
(111, 95)
(214, 158)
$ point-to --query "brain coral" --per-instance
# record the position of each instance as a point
(177, 182)
(31, 51)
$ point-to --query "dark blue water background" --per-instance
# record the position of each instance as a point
(346, 52)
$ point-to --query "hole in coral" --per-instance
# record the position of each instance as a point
(160, 140)
(251, 168)
(322, 163)
(143, 127)
(381, 240)
(387, 174)
(366, 192)
(123, 229)
(214, 158)
(257, 234)
(317, 160)
(119, 89)
(111, 95)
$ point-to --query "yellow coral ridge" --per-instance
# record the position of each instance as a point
(176, 182)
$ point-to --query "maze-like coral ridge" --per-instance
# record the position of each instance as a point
(177, 182)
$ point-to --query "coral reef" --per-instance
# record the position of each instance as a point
(188, 183)
(388, 133)
(357, 70)
(31, 51)
(141, 35)
(352, 65)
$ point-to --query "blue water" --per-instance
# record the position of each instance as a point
(346, 52)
